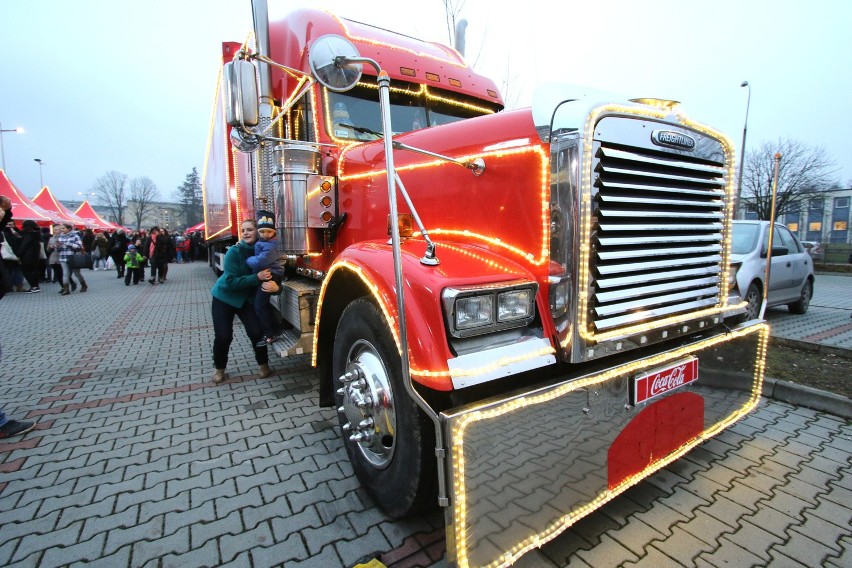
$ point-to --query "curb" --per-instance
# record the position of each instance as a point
(800, 395)
(810, 346)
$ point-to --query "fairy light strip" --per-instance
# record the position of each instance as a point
(422, 91)
(530, 257)
(217, 97)
(490, 262)
(586, 219)
(374, 291)
(561, 524)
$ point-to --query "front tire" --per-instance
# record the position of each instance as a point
(389, 440)
(801, 305)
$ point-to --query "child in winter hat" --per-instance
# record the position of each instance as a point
(266, 255)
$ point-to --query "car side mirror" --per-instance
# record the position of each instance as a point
(241, 98)
(777, 251)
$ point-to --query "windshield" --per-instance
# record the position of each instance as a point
(356, 115)
(745, 237)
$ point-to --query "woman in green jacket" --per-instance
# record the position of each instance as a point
(233, 294)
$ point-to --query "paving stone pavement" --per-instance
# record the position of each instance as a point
(827, 323)
(139, 460)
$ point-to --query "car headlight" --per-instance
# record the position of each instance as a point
(732, 277)
(478, 310)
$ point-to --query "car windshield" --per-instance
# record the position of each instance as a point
(356, 115)
(745, 237)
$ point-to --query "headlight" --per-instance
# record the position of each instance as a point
(515, 305)
(732, 276)
(478, 310)
(474, 311)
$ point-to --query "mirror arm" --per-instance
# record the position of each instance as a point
(477, 166)
(289, 104)
(343, 61)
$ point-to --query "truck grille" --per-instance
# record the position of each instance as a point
(656, 233)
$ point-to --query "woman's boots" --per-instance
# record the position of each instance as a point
(65, 291)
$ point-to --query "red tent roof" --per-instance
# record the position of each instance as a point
(90, 216)
(48, 202)
(198, 227)
(22, 208)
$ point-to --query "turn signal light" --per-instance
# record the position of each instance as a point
(405, 222)
(325, 201)
(325, 186)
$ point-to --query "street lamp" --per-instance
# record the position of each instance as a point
(742, 154)
(40, 172)
(19, 130)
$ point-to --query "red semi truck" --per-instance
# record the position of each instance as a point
(518, 314)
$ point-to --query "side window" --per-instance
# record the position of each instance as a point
(787, 240)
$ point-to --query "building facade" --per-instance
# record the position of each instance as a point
(824, 219)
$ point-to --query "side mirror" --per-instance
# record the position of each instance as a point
(776, 251)
(240, 78)
(331, 60)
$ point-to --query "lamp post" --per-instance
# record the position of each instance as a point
(742, 153)
(40, 172)
(19, 130)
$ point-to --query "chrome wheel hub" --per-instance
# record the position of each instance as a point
(367, 405)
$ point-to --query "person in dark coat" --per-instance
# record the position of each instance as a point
(156, 248)
(5, 219)
(88, 238)
(28, 254)
(117, 249)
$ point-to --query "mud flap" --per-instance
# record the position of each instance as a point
(521, 470)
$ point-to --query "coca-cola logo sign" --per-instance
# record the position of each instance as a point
(659, 381)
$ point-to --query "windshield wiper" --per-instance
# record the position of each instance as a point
(361, 129)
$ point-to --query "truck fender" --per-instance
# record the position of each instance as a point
(367, 269)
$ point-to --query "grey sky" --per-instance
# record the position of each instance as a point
(127, 85)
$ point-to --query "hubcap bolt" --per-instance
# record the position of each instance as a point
(367, 401)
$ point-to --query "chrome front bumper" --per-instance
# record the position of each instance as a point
(523, 469)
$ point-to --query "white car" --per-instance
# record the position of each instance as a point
(791, 276)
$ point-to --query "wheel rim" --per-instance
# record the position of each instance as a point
(367, 405)
(753, 300)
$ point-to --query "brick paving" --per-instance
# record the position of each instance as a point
(140, 460)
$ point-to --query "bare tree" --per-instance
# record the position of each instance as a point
(111, 193)
(143, 194)
(805, 172)
(452, 9)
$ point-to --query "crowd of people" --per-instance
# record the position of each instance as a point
(252, 273)
(32, 255)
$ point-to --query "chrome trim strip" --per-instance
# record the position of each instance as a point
(483, 366)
